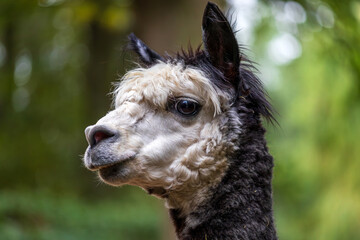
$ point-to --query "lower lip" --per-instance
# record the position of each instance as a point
(122, 160)
(113, 172)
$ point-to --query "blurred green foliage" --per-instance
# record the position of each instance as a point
(58, 59)
(317, 153)
(44, 215)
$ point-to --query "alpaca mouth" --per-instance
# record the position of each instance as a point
(106, 166)
(96, 161)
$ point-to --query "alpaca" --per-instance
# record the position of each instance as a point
(187, 129)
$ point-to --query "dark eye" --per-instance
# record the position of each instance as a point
(187, 107)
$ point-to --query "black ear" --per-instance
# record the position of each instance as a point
(220, 43)
(147, 56)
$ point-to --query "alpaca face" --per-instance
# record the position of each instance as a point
(167, 130)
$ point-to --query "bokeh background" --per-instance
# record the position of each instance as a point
(58, 59)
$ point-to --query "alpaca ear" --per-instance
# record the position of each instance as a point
(147, 55)
(220, 43)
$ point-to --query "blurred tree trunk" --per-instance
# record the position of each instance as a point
(9, 64)
(168, 25)
(98, 73)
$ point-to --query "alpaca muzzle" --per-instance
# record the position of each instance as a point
(99, 154)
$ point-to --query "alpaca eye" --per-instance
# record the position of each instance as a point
(187, 107)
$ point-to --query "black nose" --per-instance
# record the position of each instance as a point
(97, 134)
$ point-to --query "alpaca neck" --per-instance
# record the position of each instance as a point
(240, 206)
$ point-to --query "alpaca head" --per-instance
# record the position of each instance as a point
(177, 119)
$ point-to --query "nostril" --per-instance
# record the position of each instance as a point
(98, 134)
(101, 135)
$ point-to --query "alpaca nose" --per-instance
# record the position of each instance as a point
(96, 134)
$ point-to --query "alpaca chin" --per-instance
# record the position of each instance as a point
(115, 175)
